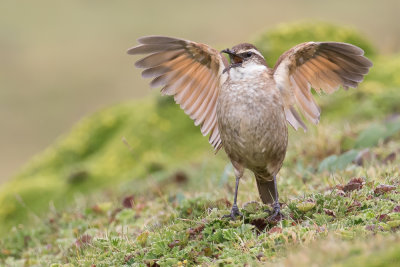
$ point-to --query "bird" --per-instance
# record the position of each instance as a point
(244, 105)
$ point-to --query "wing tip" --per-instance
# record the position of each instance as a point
(131, 50)
(349, 48)
(139, 64)
(157, 39)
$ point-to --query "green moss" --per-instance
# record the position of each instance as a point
(95, 154)
(390, 257)
(160, 229)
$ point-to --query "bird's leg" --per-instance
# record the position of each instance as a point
(276, 214)
(235, 209)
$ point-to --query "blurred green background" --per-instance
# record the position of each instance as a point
(61, 60)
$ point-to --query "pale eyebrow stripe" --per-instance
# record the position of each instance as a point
(252, 50)
(255, 52)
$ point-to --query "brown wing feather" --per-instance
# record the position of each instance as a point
(190, 72)
(321, 65)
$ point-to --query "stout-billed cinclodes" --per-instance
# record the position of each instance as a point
(245, 105)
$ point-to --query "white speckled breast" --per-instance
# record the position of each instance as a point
(251, 119)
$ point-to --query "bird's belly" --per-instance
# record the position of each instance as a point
(253, 129)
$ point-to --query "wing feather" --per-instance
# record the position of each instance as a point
(324, 66)
(196, 90)
(158, 58)
(197, 102)
(189, 71)
(152, 48)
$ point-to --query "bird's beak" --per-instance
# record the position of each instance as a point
(228, 51)
(235, 58)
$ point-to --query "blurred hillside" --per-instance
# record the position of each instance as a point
(61, 60)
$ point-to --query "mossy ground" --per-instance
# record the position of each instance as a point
(173, 218)
(137, 184)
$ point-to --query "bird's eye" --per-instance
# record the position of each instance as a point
(249, 54)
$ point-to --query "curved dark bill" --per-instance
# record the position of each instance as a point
(229, 52)
(235, 58)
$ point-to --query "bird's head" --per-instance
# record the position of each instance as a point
(244, 54)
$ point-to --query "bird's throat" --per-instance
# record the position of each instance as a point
(233, 65)
(246, 71)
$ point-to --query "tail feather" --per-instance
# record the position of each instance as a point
(266, 189)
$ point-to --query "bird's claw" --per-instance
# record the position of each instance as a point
(234, 213)
(275, 215)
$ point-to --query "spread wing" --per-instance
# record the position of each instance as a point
(321, 65)
(189, 71)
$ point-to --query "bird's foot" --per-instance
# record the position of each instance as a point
(275, 215)
(234, 213)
